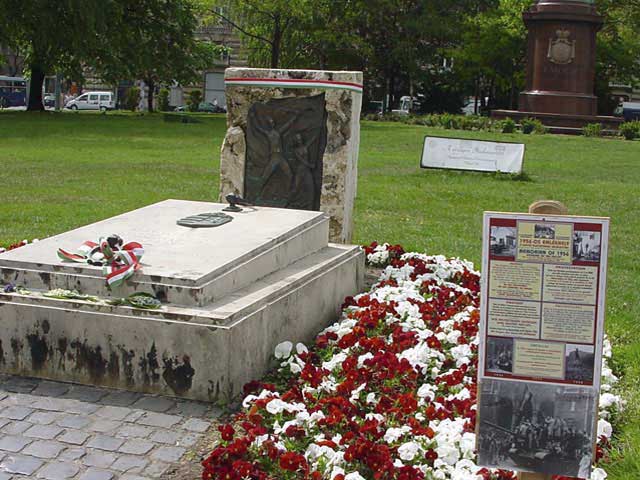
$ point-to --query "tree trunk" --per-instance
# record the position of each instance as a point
(386, 99)
(150, 85)
(276, 43)
(477, 96)
(392, 92)
(35, 88)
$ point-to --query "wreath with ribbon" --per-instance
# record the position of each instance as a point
(119, 261)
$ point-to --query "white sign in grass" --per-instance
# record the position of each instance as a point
(463, 154)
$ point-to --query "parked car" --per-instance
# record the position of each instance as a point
(470, 105)
(629, 111)
(374, 107)
(409, 105)
(93, 101)
(49, 100)
(211, 108)
(13, 92)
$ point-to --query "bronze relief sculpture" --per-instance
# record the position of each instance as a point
(286, 139)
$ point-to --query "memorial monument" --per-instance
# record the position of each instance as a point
(292, 141)
(561, 63)
(228, 286)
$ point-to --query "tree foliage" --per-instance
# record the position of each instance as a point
(151, 40)
(397, 43)
(618, 49)
(54, 36)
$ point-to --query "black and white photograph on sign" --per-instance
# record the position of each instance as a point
(541, 230)
(503, 241)
(579, 362)
(499, 355)
(586, 246)
(536, 427)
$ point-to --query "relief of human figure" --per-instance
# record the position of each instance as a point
(303, 191)
(277, 160)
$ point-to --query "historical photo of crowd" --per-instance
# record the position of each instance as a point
(579, 363)
(536, 427)
(499, 355)
(586, 246)
(541, 230)
(503, 241)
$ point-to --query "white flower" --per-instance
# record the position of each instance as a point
(364, 358)
(393, 434)
(604, 428)
(355, 394)
(468, 445)
(608, 400)
(336, 471)
(408, 451)
(283, 350)
(448, 453)
(598, 474)
(335, 361)
(427, 391)
(275, 406)
(354, 476)
(301, 348)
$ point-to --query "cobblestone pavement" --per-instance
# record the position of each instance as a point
(57, 431)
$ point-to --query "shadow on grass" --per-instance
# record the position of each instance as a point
(513, 177)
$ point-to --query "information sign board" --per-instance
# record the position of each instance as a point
(464, 154)
(542, 327)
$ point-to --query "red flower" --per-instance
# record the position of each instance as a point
(226, 432)
(292, 461)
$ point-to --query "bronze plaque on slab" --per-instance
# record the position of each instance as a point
(205, 220)
(286, 139)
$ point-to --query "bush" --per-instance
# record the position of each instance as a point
(532, 125)
(592, 130)
(507, 126)
(163, 100)
(448, 121)
(372, 117)
(195, 99)
(132, 99)
(630, 130)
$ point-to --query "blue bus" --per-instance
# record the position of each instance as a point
(13, 92)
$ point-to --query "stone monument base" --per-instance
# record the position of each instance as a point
(230, 295)
(561, 123)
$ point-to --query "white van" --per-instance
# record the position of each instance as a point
(92, 101)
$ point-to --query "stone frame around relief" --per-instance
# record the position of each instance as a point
(285, 142)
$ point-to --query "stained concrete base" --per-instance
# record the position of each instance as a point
(191, 351)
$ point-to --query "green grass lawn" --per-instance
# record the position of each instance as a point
(60, 171)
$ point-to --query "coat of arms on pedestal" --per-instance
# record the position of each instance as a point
(562, 51)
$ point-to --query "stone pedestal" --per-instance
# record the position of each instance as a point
(561, 62)
(292, 141)
(230, 294)
(561, 58)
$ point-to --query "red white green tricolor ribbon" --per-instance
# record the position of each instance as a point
(118, 264)
(292, 83)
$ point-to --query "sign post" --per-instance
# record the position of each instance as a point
(541, 331)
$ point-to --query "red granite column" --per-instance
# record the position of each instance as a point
(561, 58)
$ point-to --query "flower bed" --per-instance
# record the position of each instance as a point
(388, 392)
(16, 245)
